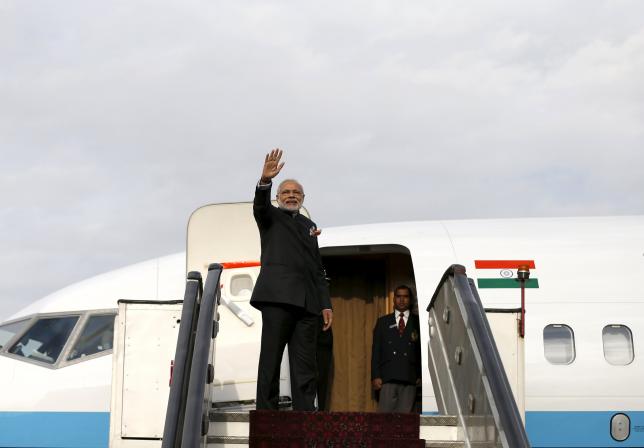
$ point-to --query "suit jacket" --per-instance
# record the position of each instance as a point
(291, 271)
(396, 358)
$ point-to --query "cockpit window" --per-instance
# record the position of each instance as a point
(45, 339)
(96, 337)
(8, 331)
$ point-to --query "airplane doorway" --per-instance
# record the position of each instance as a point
(362, 282)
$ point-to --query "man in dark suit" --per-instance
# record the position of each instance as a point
(291, 290)
(395, 355)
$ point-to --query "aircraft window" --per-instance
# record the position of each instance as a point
(97, 336)
(8, 331)
(559, 344)
(241, 285)
(618, 344)
(45, 339)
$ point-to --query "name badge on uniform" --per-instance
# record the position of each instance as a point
(393, 326)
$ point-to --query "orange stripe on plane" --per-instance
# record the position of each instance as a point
(240, 264)
(502, 264)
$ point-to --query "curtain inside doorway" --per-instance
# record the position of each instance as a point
(358, 295)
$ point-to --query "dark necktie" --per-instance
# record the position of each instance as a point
(401, 324)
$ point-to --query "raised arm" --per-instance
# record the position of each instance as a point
(262, 201)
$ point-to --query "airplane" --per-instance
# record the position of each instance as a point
(584, 320)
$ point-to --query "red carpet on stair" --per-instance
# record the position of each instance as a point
(293, 429)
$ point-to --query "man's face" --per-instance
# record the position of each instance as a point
(291, 196)
(402, 299)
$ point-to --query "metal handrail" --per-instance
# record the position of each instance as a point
(173, 428)
(196, 420)
(466, 369)
(186, 423)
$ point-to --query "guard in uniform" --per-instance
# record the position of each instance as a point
(395, 356)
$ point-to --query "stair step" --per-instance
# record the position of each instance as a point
(439, 428)
(444, 444)
(425, 420)
(226, 441)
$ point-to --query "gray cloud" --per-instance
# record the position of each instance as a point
(118, 119)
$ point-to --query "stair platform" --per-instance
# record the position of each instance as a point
(233, 430)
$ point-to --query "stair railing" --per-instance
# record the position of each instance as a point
(187, 418)
(466, 369)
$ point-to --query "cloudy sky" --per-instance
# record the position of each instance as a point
(117, 119)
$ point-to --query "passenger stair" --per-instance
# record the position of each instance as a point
(472, 390)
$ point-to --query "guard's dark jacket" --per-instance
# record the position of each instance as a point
(291, 271)
(396, 358)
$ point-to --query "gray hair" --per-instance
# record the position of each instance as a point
(281, 185)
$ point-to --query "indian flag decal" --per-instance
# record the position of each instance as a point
(503, 273)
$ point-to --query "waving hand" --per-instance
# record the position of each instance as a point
(272, 165)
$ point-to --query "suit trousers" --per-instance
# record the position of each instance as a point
(397, 397)
(282, 325)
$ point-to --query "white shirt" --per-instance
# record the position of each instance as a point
(405, 315)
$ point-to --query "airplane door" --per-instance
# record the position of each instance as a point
(222, 233)
(227, 234)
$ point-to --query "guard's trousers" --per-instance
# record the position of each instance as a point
(396, 397)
